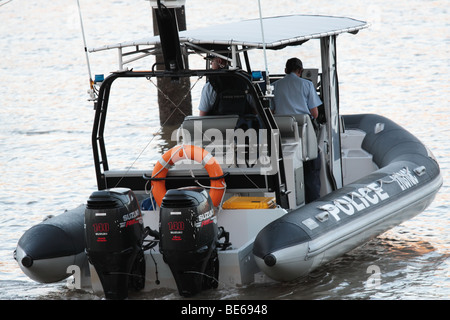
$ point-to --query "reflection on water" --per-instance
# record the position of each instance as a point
(397, 68)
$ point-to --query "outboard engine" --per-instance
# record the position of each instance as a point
(188, 239)
(114, 235)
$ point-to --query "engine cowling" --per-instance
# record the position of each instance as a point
(114, 234)
(188, 243)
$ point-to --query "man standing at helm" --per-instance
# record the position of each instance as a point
(295, 95)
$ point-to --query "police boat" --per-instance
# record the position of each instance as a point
(223, 204)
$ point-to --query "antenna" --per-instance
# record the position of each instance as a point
(268, 86)
(2, 4)
(91, 83)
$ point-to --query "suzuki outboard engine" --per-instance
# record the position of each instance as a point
(188, 239)
(114, 235)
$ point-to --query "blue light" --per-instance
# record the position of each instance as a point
(99, 78)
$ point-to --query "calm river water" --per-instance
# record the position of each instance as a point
(399, 68)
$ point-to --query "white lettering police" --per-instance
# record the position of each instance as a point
(369, 195)
(356, 201)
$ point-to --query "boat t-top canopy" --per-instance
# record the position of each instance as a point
(279, 32)
(228, 41)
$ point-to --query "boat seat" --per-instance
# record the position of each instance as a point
(287, 126)
(202, 130)
(305, 132)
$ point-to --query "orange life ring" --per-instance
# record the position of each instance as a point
(197, 154)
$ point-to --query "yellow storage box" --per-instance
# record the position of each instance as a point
(249, 203)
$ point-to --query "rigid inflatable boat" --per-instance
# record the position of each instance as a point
(224, 205)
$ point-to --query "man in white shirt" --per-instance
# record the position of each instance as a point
(293, 94)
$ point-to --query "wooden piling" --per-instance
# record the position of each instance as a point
(178, 91)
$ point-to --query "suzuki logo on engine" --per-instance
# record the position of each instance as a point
(131, 215)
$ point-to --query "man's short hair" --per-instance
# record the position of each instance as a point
(293, 64)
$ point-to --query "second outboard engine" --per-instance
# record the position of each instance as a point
(188, 239)
(114, 234)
